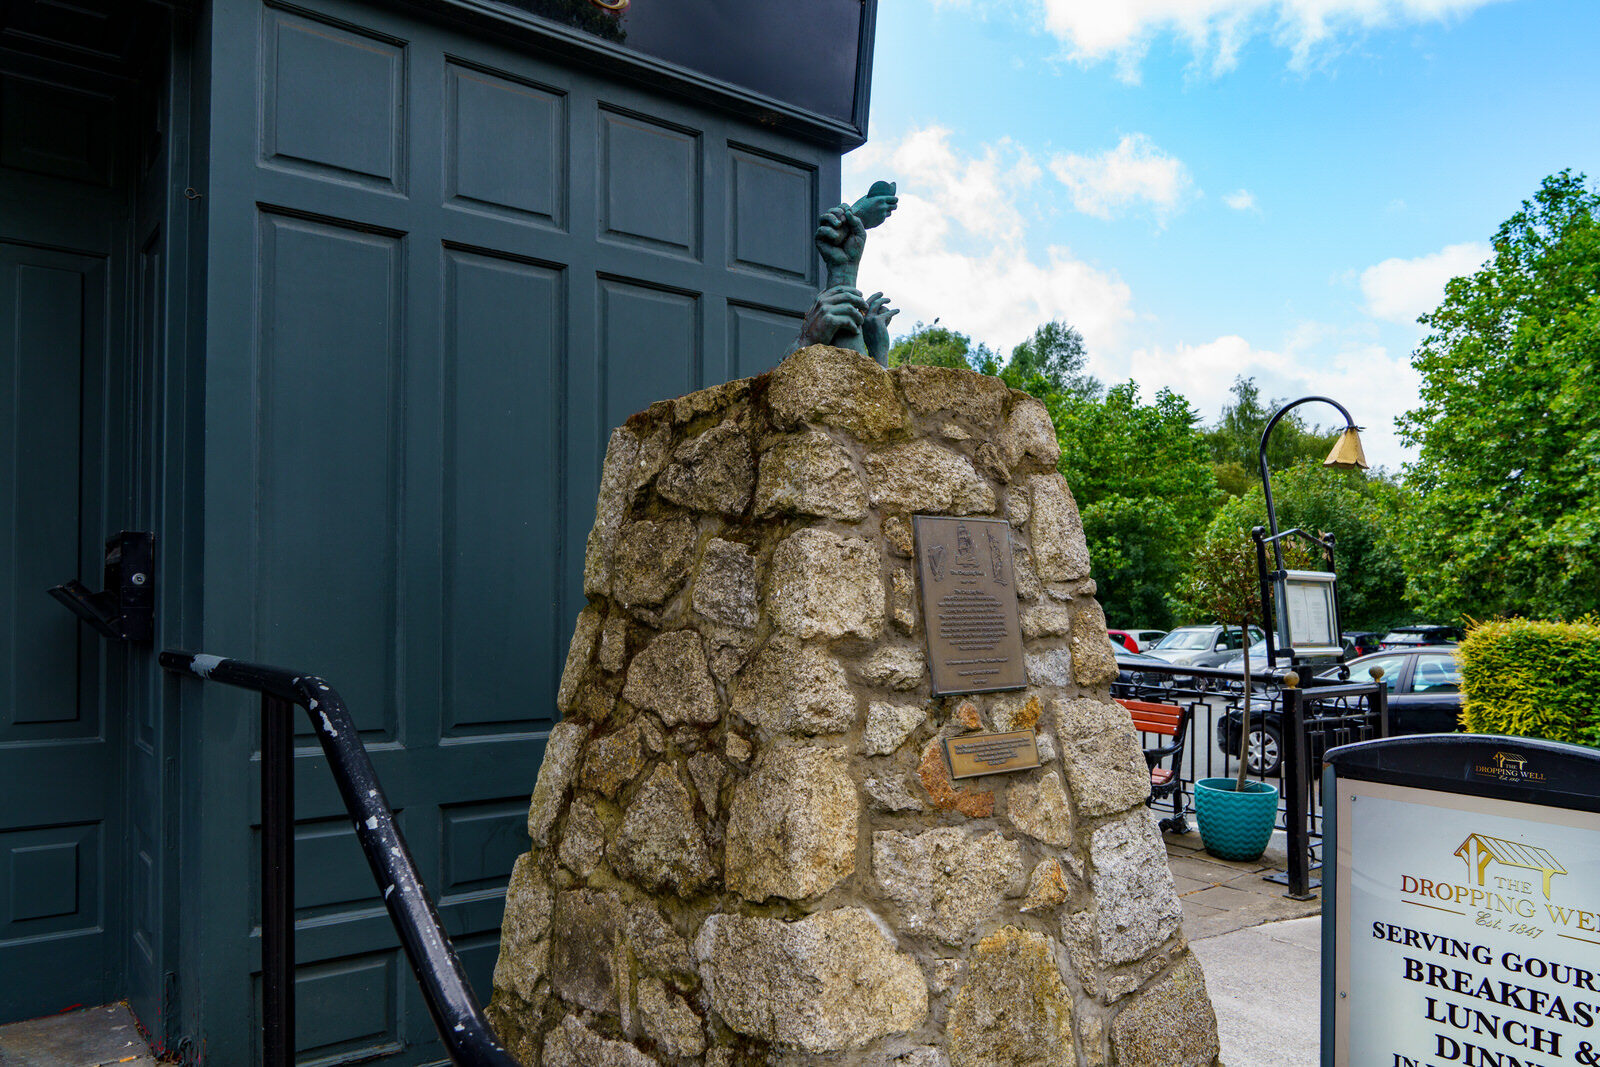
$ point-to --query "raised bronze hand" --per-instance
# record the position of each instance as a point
(837, 315)
(877, 205)
(875, 326)
(841, 238)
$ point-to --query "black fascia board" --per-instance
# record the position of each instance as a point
(532, 33)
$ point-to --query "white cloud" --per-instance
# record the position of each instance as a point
(1398, 290)
(1240, 200)
(1360, 374)
(1121, 177)
(956, 247)
(1122, 30)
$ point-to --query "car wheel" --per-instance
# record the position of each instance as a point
(1264, 754)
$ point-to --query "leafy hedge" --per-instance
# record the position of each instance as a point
(1530, 678)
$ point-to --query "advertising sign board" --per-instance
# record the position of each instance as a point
(1462, 924)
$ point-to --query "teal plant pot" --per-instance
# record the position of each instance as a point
(1234, 825)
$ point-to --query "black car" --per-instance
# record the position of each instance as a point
(1129, 666)
(1424, 698)
(1414, 636)
(1361, 642)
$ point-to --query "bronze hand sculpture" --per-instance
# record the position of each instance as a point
(841, 316)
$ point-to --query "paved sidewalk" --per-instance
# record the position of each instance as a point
(1223, 895)
(1260, 950)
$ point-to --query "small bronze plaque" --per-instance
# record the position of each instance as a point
(980, 754)
(969, 604)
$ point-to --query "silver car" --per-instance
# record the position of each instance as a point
(1202, 646)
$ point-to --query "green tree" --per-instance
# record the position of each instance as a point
(1144, 484)
(1235, 440)
(1507, 515)
(1362, 513)
(1051, 361)
(932, 345)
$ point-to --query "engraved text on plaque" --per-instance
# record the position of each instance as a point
(978, 754)
(969, 604)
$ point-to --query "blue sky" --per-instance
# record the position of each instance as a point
(1208, 188)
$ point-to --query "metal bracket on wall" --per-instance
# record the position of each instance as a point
(125, 608)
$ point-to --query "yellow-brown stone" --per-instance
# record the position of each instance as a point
(1093, 661)
(967, 716)
(942, 791)
(1013, 1010)
(1171, 1025)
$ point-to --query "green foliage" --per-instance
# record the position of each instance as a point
(1051, 361)
(1235, 441)
(1363, 512)
(1048, 363)
(1223, 583)
(1145, 489)
(933, 345)
(1507, 519)
(1531, 678)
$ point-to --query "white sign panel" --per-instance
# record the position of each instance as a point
(1467, 932)
(1307, 612)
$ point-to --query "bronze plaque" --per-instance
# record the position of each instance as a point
(969, 604)
(979, 754)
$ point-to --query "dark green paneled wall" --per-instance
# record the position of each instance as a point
(438, 271)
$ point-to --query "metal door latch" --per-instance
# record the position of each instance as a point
(125, 608)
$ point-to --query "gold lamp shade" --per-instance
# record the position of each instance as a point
(1347, 454)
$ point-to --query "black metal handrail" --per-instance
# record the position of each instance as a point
(456, 1012)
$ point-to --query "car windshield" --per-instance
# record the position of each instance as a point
(1188, 640)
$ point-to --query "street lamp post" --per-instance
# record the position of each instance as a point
(1345, 455)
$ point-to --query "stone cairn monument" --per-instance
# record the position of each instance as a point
(749, 845)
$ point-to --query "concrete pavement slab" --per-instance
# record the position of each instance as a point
(93, 1037)
(1264, 982)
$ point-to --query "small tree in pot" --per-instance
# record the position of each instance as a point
(1236, 816)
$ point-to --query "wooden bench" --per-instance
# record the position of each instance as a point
(1165, 720)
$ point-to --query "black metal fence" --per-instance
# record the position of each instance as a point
(1291, 727)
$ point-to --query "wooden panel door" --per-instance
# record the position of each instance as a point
(61, 717)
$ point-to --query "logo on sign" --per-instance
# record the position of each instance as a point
(1508, 767)
(1479, 851)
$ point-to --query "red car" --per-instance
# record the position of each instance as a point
(1123, 638)
(1136, 640)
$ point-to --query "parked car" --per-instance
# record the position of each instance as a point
(1235, 659)
(1128, 664)
(1147, 638)
(1235, 662)
(1413, 636)
(1136, 640)
(1202, 646)
(1424, 698)
(1361, 643)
